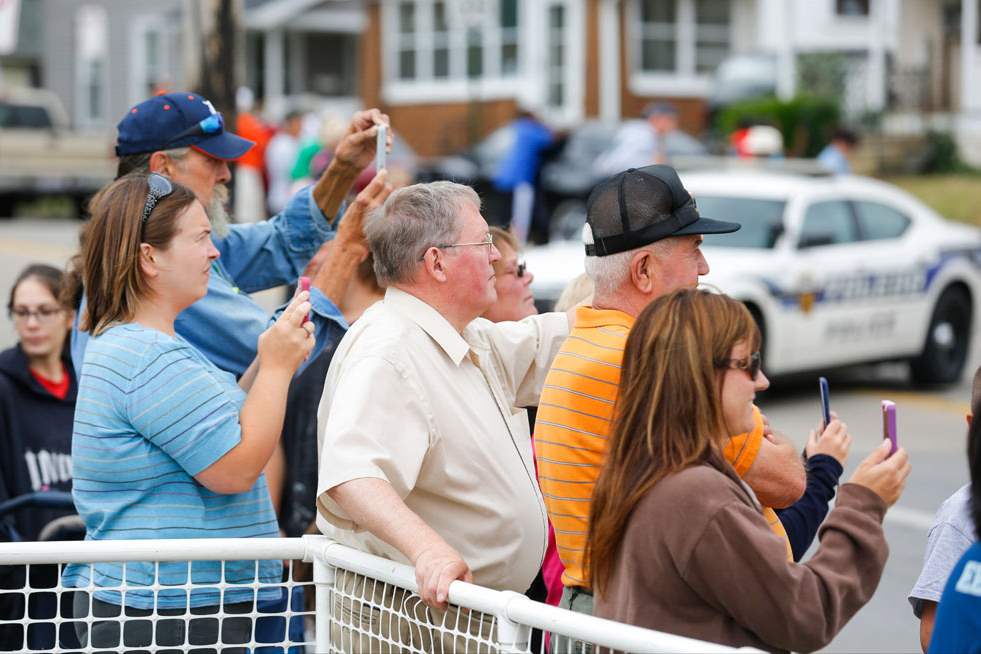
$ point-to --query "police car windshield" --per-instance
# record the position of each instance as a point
(761, 220)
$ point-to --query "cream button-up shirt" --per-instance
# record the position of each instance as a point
(411, 401)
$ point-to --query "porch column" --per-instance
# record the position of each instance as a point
(970, 96)
(786, 58)
(273, 49)
(875, 98)
(609, 56)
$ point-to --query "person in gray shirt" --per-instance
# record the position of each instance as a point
(949, 537)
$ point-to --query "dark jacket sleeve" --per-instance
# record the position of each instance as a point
(740, 566)
(801, 520)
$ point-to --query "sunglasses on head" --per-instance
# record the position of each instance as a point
(213, 124)
(158, 187)
(751, 365)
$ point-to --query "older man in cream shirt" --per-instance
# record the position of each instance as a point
(424, 457)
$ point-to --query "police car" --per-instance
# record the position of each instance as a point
(837, 270)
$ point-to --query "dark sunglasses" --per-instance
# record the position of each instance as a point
(213, 124)
(159, 187)
(751, 365)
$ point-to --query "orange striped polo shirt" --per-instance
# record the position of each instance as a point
(573, 423)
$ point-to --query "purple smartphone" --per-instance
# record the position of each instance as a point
(305, 286)
(889, 424)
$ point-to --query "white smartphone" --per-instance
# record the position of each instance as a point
(381, 147)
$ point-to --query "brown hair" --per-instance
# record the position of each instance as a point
(668, 415)
(48, 276)
(503, 237)
(110, 256)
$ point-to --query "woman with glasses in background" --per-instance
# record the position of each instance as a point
(37, 405)
(677, 542)
(165, 444)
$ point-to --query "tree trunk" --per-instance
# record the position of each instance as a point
(221, 40)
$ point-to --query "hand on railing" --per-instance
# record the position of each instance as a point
(436, 568)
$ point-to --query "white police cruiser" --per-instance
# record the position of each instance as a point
(836, 270)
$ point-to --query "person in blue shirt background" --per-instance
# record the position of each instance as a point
(182, 136)
(957, 628)
(517, 174)
(834, 156)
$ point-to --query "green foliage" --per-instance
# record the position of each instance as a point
(823, 74)
(805, 121)
(940, 155)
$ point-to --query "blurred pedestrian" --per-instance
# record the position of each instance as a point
(517, 174)
(958, 616)
(454, 495)
(952, 534)
(146, 258)
(250, 193)
(281, 155)
(37, 407)
(836, 154)
(676, 541)
(653, 139)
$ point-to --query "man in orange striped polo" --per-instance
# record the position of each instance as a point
(643, 235)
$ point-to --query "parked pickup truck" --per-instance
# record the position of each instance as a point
(40, 155)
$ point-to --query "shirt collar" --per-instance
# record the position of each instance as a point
(430, 321)
(590, 317)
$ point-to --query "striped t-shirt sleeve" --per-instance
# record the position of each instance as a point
(182, 407)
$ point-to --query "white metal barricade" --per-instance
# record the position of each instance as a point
(357, 603)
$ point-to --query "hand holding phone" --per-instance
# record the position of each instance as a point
(825, 403)
(381, 147)
(889, 425)
(304, 285)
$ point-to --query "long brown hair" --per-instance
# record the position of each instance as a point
(110, 256)
(668, 415)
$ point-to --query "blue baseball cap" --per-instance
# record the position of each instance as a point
(177, 120)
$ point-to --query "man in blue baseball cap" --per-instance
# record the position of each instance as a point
(182, 135)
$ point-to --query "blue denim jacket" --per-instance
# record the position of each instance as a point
(226, 323)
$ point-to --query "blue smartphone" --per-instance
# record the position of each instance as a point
(825, 402)
(889, 425)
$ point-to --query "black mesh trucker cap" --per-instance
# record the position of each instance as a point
(642, 205)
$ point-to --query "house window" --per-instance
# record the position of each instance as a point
(155, 46)
(852, 7)
(711, 34)
(682, 37)
(91, 36)
(442, 40)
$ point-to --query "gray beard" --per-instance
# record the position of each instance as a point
(217, 211)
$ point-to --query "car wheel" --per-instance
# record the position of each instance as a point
(947, 340)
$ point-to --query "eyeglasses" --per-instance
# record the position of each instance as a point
(751, 365)
(159, 187)
(213, 124)
(518, 272)
(489, 241)
(41, 314)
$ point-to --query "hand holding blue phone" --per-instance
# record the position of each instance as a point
(825, 403)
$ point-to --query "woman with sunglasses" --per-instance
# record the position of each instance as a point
(165, 444)
(677, 542)
(512, 280)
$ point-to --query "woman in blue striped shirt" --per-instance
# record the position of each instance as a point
(165, 444)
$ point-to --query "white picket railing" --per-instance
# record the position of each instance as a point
(363, 602)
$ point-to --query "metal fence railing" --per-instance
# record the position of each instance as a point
(348, 602)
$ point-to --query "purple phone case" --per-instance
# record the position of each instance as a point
(889, 424)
